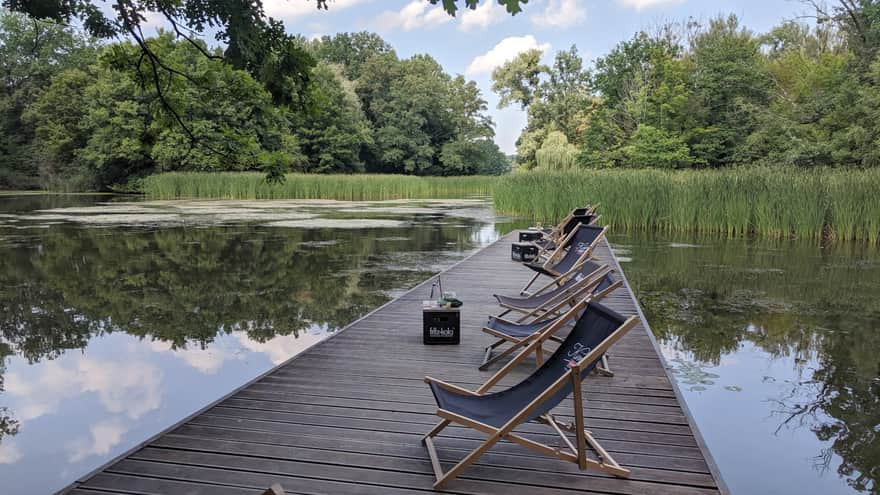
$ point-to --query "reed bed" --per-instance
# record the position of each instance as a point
(825, 204)
(841, 204)
(373, 187)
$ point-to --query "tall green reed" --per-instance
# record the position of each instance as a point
(769, 202)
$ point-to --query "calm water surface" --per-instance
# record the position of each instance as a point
(776, 347)
(119, 318)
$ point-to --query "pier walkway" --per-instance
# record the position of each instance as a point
(346, 416)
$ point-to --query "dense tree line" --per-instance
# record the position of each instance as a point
(77, 114)
(714, 95)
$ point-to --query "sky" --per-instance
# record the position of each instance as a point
(475, 42)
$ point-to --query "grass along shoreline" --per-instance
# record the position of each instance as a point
(361, 187)
(841, 204)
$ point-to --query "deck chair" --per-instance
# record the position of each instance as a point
(497, 414)
(578, 246)
(550, 243)
(519, 334)
(558, 293)
(552, 236)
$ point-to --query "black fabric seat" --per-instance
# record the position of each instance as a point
(585, 236)
(519, 330)
(540, 300)
(595, 325)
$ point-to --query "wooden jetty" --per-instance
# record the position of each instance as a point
(346, 416)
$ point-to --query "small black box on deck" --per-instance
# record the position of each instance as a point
(523, 251)
(441, 326)
(529, 235)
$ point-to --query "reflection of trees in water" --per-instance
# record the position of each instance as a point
(817, 306)
(186, 286)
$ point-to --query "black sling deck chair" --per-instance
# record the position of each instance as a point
(499, 413)
(552, 237)
(519, 334)
(550, 243)
(579, 243)
(561, 291)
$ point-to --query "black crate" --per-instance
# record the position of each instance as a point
(441, 326)
(530, 235)
(523, 251)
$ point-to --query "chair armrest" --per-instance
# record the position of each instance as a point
(449, 386)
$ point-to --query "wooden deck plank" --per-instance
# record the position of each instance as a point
(346, 416)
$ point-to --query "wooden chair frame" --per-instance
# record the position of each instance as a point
(583, 438)
(555, 304)
(548, 264)
(571, 300)
(556, 238)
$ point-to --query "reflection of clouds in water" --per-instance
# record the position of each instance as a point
(102, 437)
(9, 453)
(207, 360)
(485, 235)
(280, 348)
(237, 345)
(129, 387)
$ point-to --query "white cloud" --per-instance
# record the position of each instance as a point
(291, 9)
(130, 387)
(647, 4)
(207, 360)
(9, 453)
(506, 50)
(564, 13)
(414, 15)
(486, 14)
(102, 437)
(280, 348)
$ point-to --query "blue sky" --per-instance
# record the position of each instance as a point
(474, 42)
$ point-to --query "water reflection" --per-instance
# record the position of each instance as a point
(117, 320)
(776, 347)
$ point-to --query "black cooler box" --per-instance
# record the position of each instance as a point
(523, 251)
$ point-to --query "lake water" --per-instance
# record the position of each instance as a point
(776, 348)
(120, 317)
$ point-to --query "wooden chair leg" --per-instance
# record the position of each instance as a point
(603, 368)
(531, 281)
(510, 350)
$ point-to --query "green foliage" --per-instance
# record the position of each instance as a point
(350, 50)
(363, 187)
(98, 127)
(556, 153)
(102, 123)
(557, 97)
(771, 202)
(717, 95)
(31, 53)
(650, 146)
(333, 131)
(425, 122)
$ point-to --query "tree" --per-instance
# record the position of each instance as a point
(728, 80)
(98, 127)
(556, 153)
(350, 50)
(332, 132)
(254, 42)
(425, 122)
(653, 147)
(556, 97)
(31, 52)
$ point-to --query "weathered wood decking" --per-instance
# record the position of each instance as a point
(347, 415)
